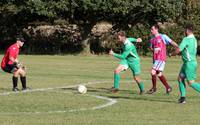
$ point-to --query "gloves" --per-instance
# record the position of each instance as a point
(18, 65)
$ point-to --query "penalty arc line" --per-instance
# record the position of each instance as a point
(46, 89)
(109, 102)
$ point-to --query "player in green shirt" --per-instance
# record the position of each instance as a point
(188, 50)
(129, 58)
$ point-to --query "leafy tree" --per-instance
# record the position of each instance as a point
(128, 15)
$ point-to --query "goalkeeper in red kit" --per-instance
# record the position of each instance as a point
(10, 64)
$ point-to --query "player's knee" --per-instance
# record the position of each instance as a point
(153, 72)
(116, 71)
(160, 74)
(190, 82)
(16, 74)
(181, 77)
(22, 72)
(137, 79)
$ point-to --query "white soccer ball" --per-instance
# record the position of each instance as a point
(82, 89)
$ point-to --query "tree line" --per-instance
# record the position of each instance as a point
(68, 26)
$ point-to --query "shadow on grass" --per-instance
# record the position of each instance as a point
(5, 89)
(143, 98)
(131, 95)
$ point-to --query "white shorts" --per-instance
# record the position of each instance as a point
(125, 67)
(158, 65)
(124, 63)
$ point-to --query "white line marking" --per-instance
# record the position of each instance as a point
(109, 103)
(73, 86)
(46, 89)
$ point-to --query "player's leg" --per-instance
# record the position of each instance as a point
(15, 80)
(121, 67)
(22, 74)
(139, 83)
(195, 85)
(136, 70)
(164, 82)
(159, 70)
(117, 76)
(191, 68)
(11, 69)
(156, 66)
(182, 86)
(153, 78)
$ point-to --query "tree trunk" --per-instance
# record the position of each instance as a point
(86, 38)
(86, 46)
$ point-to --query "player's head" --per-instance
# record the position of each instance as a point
(189, 29)
(121, 36)
(20, 41)
(154, 29)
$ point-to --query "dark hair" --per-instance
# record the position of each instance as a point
(156, 26)
(189, 27)
(121, 33)
(20, 38)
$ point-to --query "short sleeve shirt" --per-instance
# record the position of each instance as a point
(12, 51)
(188, 48)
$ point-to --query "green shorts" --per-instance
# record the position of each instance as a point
(188, 70)
(133, 65)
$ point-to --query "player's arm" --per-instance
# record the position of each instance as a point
(175, 52)
(150, 47)
(15, 62)
(11, 57)
(174, 44)
(123, 55)
(180, 48)
(131, 39)
(169, 41)
(176, 47)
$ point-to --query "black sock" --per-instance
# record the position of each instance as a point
(15, 80)
(23, 80)
(183, 98)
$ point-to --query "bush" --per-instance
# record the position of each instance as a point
(53, 39)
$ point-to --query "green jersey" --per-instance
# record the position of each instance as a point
(129, 51)
(188, 48)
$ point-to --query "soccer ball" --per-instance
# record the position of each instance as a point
(82, 89)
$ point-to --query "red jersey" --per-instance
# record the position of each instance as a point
(158, 44)
(12, 51)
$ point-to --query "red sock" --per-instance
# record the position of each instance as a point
(164, 81)
(154, 81)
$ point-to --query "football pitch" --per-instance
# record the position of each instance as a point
(54, 99)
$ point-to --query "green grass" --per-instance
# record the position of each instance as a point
(130, 109)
